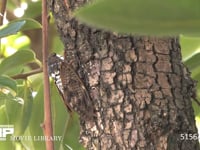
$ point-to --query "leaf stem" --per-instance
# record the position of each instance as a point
(25, 75)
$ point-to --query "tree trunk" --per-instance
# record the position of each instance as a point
(139, 87)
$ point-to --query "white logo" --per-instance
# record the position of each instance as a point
(5, 130)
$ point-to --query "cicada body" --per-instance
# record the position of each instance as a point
(70, 86)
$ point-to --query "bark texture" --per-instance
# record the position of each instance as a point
(139, 88)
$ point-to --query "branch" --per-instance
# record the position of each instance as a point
(47, 124)
(25, 75)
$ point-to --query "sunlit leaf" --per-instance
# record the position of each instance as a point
(190, 46)
(19, 58)
(193, 62)
(152, 17)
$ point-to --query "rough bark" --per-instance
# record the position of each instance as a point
(139, 87)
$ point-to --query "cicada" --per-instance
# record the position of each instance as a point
(70, 86)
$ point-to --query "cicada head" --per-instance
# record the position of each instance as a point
(54, 63)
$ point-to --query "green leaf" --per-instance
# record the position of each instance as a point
(11, 28)
(3, 118)
(72, 134)
(3, 121)
(32, 6)
(152, 17)
(17, 59)
(8, 144)
(21, 124)
(195, 105)
(19, 108)
(8, 82)
(59, 114)
(13, 110)
(193, 62)
(189, 46)
(36, 81)
(37, 118)
(30, 24)
(63, 124)
(18, 25)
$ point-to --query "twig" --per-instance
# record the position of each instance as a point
(25, 75)
(47, 124)
(2, 10)
(196, 100)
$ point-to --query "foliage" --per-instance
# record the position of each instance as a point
(18, 24)
(152, 17)
(21, 100)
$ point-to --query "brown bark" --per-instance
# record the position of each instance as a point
(139, 87)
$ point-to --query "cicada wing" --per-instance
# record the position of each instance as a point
(75, 92)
